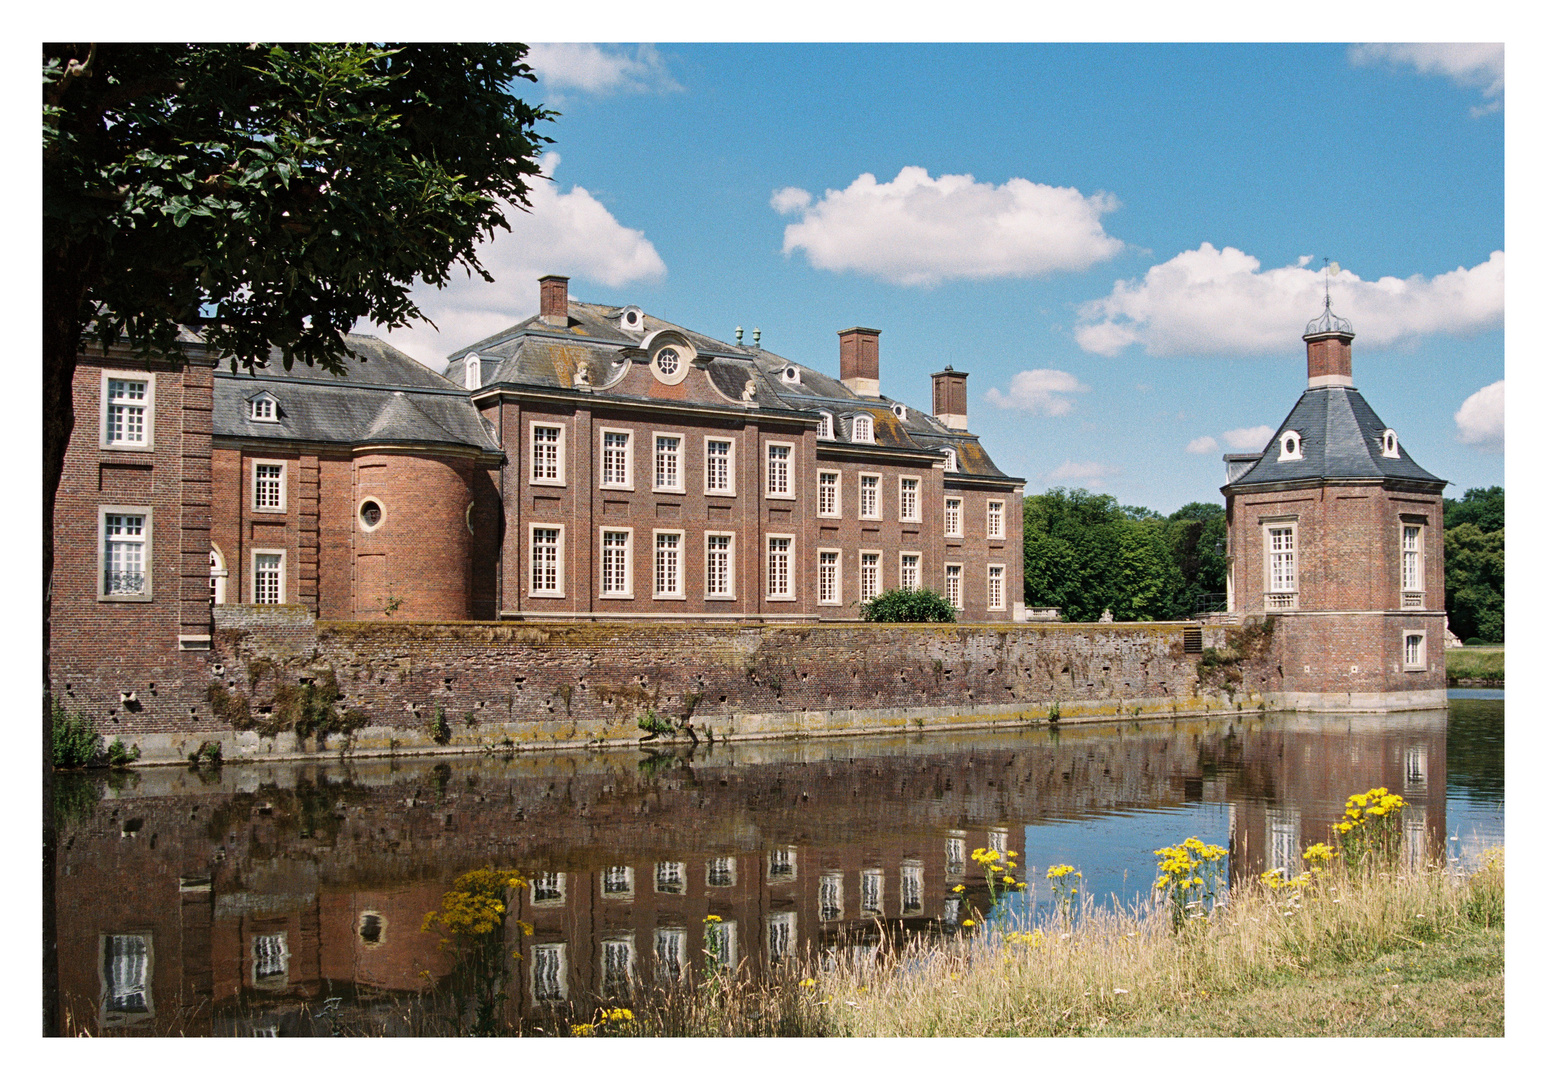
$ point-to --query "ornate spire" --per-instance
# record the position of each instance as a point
(1328, 323)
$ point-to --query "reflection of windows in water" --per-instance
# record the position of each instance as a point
(670, 877)
(781, 936)
(830, 896)
(872, 883)
(1416, 773)
(912, 887)
(720, 943)
(721, 872)
(265, 1031)
(270, 959)
(953, 909)
(999, 840)
(1284, 841)
(955, 856)
(617, 966)
(670, 944)
(548, 888)
(550, 980)
(781, 864)
(1415, 836)
(126, 977)
(618, 881)
(373, 928)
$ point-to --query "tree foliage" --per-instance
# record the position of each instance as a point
(908, 605)
(1474, 564)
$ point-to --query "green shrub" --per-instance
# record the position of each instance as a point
(208, 755)
(440, 731)
(119, 755)
(655, 723)
(909, 606)
(76, 741)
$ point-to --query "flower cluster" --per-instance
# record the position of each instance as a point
(1371, 826)
(1189, 872)
(476, 904)
(1029, 938)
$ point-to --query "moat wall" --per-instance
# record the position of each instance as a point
(505, 685)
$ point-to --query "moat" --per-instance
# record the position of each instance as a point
(289, 898)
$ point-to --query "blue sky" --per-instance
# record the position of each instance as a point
(1121, 243)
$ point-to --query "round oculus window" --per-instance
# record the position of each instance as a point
(668, 361)
(370, 513)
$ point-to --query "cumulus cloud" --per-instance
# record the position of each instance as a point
(1480, 420)
(1087, 474)
(1248, 438)
(1040, 391)
(1213, 301)
(592, 69)
(566, 232)
(1203, 444)
(1474, 66)
(918, 230)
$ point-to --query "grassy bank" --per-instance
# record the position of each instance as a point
(1474, 664)
(1382, 955)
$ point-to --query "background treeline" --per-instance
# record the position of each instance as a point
(1087, 553)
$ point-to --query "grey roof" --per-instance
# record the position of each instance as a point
(1341, 440)
(384, 396)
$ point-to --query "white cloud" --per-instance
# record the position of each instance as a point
(564, 233)
(1204, 444)
(1248, 438)
(592, 69)
(1480, 420)
(915, 230)
(1212, 301)
(1475, 66)
(1088, 474)
(1039, 391)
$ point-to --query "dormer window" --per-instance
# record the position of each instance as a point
(791, 375)
(950, 461)
(263, 408)
(900, 411)
(1290, 446)
(864, 429)
(472, 371)
(631, 318)
(824, 426)
(1388, 444)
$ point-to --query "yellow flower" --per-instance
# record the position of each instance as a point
(968, 922)
(807, 983)
(958, 888)
(712, 918)
(1008, 880)
(581, 1031)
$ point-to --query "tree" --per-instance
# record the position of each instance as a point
(908, 605)
(1474, 564)
(1483, 507)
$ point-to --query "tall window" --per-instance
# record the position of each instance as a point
(955, 856)
(545, 454)
(123, 555)
(778, 469)
(1281, 559)
(781, 936)
(618, 882)
(668, 462)
(869, 575)
(617, 966)
(908, 499)
(953, 517)
(126, 973)
(827, 578)
(1413, 652)
(670, 878)
(908, 571)
(953, 585)
(824, 426)
(717, 564)
(549, 978)
(616, 580)
(995, 519)
(268, 487)
(779, 583)
(781, 864)
(912, 888)
(720, 873)
(670, 950)
(1412, 561)
(617, 468)
(127, 401)
(872, 886)
(270, 960)
(869, 496)
(827, 494)
(996, 588)
(268, 578)
(545, 561)
(668, 564)
(830, 896)
(864, 429)
(717, 466)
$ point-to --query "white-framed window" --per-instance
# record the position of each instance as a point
(1415, 650)
(370, 514)
(668, 462)
(617, 459)
(1412, 565)
(864, 429)
(548, 888)
(618, 563)
(472, 372)
(719, 466)
(217, 576)
(671, 364)
(908, 569)
(124, 559)
(550, 972)
(782, 939)
(1284, 841)
(912, 887)
(263, 408)
(1290, 446)
(668, 564)
(1282, 575)
(618, 883)
(781, 470)
(953, 517)
(127, 960)
(671, 878)
(720, 872)
(547, 454)
(829, 576)
(829, 498)
(270, 960)
(268, 577)
(670, 952)
(617, 966)
(824, 426)
(547, 560)
(781, 582)
(830, 896)
(950, 461)
(720, 943)
(996, 519)
(908, 498)
(955, 857)
(781, 864)
(869, 575)
(268, 487)
(1388, 444)
(870, 495)
(872, 892)
(953, 584)
(719, 566)
(996, 587)
(128, 410)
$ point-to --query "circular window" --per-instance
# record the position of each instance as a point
(668, 361)
(1289, 446)
(370, 513)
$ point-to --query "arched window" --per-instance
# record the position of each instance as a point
(1290, 446)
(217, 576)
(864, 429)
(824, 426)
(1388, 444)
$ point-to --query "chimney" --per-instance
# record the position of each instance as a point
(859, 360)
(555, 299)
(950, 406)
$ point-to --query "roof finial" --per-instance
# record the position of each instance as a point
(1328, 323)
(738, 335)
(757, 337)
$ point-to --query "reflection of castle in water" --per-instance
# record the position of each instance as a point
(223, 908)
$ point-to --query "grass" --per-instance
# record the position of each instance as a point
(1474, 663)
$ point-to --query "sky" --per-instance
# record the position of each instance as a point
(1121, 243)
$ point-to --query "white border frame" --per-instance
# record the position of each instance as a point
(1423, 649)
(920, 556)
(768, 492)
(726, 493)
(988, 509)
(859, 497)
(918, 500)
(880, 574)
(945, 517)
(284, 487)
(730, 568)
(837, 493)
(628, 458)
(531, 561)
(682, 564)
(988, 592)
(284, 574)
(1267, 525)
(628, 562)
(147, 377)
(794, 569)
(960, 603)
(149, 513)
(531, 453)
(837, 600)
(381, 504)
(681, 487)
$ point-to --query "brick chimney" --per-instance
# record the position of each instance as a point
(555, 299)
(1329, 358)
(950, 406)
(859, 360)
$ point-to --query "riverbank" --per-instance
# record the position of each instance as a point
(1475, 666)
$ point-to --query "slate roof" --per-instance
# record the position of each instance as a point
(385, 396)
(1341, 440)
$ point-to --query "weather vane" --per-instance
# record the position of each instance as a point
(1328, 321)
